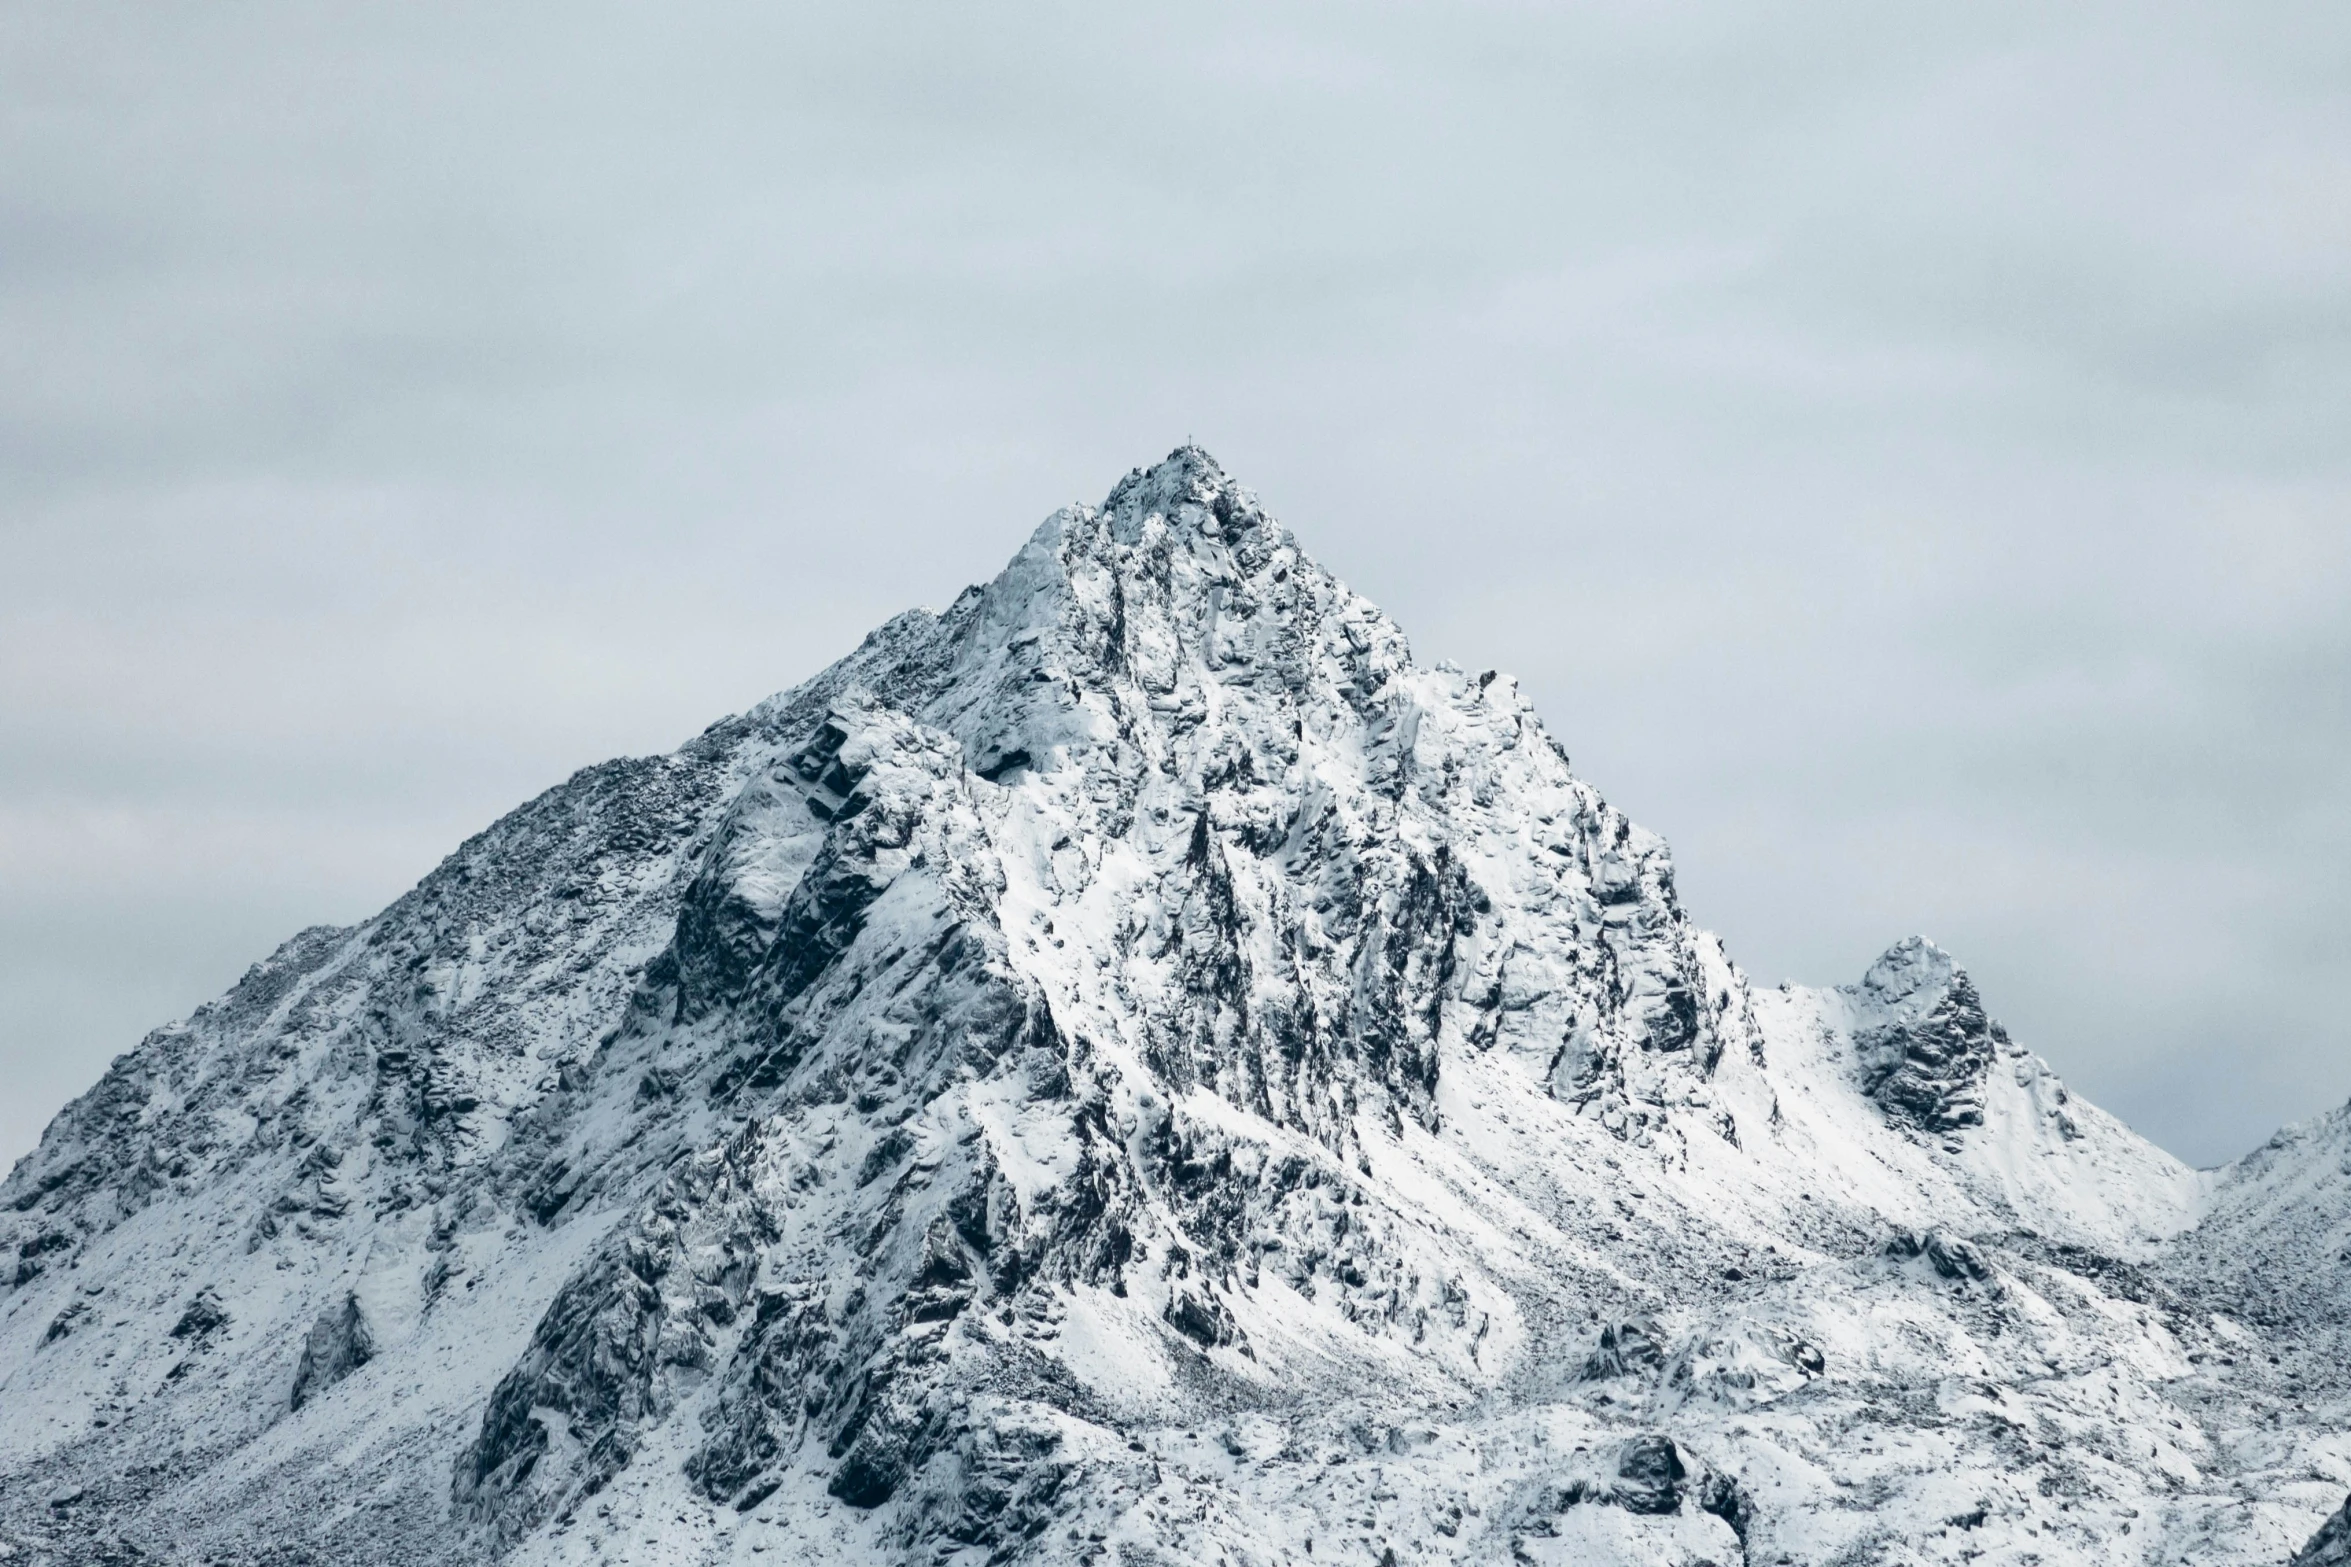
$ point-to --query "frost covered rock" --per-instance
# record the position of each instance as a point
(1924, 1043)
(340, 1342)
(1625, 1347)
(2331, 1546)
(1649, 1476)
(1947, 1257)
(1132, 1067)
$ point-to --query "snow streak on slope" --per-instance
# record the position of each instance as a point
(1131, 1068)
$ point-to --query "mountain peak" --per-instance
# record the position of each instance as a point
(1175, 622)
(1186, 475)
(1908, 967)
(1129, 1067)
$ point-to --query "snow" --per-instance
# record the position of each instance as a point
(1134, 1068)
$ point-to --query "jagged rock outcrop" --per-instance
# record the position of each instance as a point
(1131, 1067)
(1946, 1256)
(2331, 1546)
(1635, 1345)
(340, 1342)
(1924, 1043)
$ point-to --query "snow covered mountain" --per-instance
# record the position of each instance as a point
(1134, 1069)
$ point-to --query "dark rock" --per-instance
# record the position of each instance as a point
(1008, 1478)
(29, 1266)
(884, 1155)
(996, 770)
(603, 1353)
(890, 1430)
(62, 1325)
(866, 1478)
(1634, 1345)
(339, 1344)
(2125, 1280)
(942, 1284)
(1649, 1476)
(1924, 1042)
(549, 1193)
(204, 1316)
(791, 1348)
(1672, 1021)
(1950, 1257)
(1724, 1497)
(2331, 1546)
(1200, 1318)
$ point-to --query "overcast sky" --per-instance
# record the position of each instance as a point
(1902, 448)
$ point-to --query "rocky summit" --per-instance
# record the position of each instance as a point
(1135, 1069)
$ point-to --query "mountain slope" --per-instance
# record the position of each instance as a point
(1130, 1068)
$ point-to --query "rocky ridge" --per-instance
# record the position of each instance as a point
(1134, 1068)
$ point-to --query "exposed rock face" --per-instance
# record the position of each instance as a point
(1130, 1068)
(1949, 1257)
(1627, 1347)
(339, 1344)
(1924, 1043)
(1649, 1475)
(204, 1317)
(2331, 1546)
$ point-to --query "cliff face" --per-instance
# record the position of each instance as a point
(1130, 1068)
